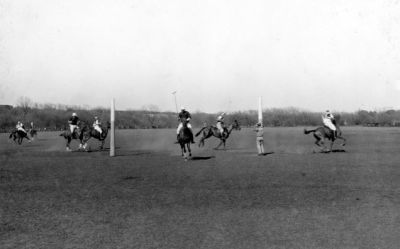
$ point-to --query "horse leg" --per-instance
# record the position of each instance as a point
(102, 144)
(81, 145)
(331, 145)
(190, 151)
(344, 140)
(220, 143)
(317, 142)
(325, 149)
(85, 146)
(323, 145)
(183, 149)
(201, 142)
(68, 143)
(205, 136)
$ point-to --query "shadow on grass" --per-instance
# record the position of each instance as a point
(108, 149)
(338, 150)
(266, 153)
(202, 158)
(137, 178)
(333, 151)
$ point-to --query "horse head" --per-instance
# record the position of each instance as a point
(184, 123)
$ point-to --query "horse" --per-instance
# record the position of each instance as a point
(70, 136)
(18, 136)
(322, 133)
(33, 133)
(211, 130)
(184, 139)
(88, 132)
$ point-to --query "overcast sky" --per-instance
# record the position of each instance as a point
(218, 55)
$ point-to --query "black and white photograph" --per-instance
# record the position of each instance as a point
(200, 124)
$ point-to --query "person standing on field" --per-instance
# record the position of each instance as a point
(260, 139)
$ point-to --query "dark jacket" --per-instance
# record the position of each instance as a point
(73, 120)
(184, 115)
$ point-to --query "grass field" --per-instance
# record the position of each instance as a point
(149, 197)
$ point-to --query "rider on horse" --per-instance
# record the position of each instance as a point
(184, 116)
(20, 127)
(97, 125)
(220, 124)
(73, 123)
(329, 121)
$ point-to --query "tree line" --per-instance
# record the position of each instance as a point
(55, 117)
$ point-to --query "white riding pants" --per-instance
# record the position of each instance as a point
(180, 127)
(97, 128)
(22, 129)
(328, 122)
(220, 128)
(72, 127)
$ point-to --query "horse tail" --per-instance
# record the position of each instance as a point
(198, 133)
(308, 131)
(11, 134)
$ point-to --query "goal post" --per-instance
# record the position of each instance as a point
(112, 133)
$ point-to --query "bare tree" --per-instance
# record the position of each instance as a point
(25, 104)
(151, 112)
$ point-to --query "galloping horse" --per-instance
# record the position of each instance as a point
(322, 133)
(210, 130)
(185, 136)
(89, 132)
(19, 136)
(69, 136)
